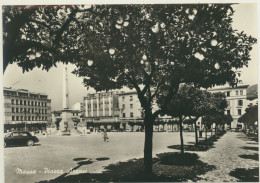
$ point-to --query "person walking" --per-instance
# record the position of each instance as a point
(105, 135)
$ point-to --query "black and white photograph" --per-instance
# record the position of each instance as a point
(113, 91)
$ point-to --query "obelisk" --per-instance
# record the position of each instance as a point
(66, 122)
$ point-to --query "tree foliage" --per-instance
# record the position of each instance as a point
(151, 48)
(250, 116)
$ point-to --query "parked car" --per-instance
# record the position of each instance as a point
(19, 138)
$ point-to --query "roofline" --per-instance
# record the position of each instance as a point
(225, 88)
(23, 91)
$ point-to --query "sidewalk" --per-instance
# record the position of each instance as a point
(226, 157)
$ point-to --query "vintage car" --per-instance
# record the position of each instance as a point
(19, 138)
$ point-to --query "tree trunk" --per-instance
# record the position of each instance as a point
(206, 135)
(181, 136)
(148, 145)
(196, 134)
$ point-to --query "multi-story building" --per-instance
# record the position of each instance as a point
(131, 112)
(237, 102)
(77, 106)
(130, 109)
(101, 110)
(26, 110)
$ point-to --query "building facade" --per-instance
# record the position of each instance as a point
(132, 115)
(101, 110)
(237, 102)
(24, 110)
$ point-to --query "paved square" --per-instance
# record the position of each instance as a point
(55, 155)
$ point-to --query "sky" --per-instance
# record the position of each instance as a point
(37, 80)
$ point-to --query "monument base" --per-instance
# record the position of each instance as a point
(67, 126)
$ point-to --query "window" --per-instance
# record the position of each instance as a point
(123, 98)
(239, 111)
(240, 102)
(39, 103)
(236, 92)
(29, 103)
(228, 94)
(12, 101)
(241, 92)
(25, 118)
(17, 118)
(25, 110)
(29, 110)
(32, 110)
(17, 109)
(228, 112)
(29, 118)
(131, 106)
(131, 98)
(12, 109)
(32, 103)
(16, 102)
(21, 117)
(13, 118)
(123, 106)
(131, 114)
(24, 134)
(32, 118)
(21, 102)
(21, 109)
(123, 115)
(35, 103)
(24, 102)
(15, 134)
(45, 104)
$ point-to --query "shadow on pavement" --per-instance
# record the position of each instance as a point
(12, 146)
(254, 143)
(250, 156)
(250, 148)
(246, 175)
(246, 138)
(102, 159)
(191, 147)
(79, 159)
(202, 146)
(167, 167)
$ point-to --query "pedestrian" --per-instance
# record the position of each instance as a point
(105, 135)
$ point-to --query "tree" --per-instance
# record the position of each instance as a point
(215, 111)
(132, 124)
(33, 36)
(180, 106)
(250, 116)
(201, 105)
(150, 48)
(226, 119)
